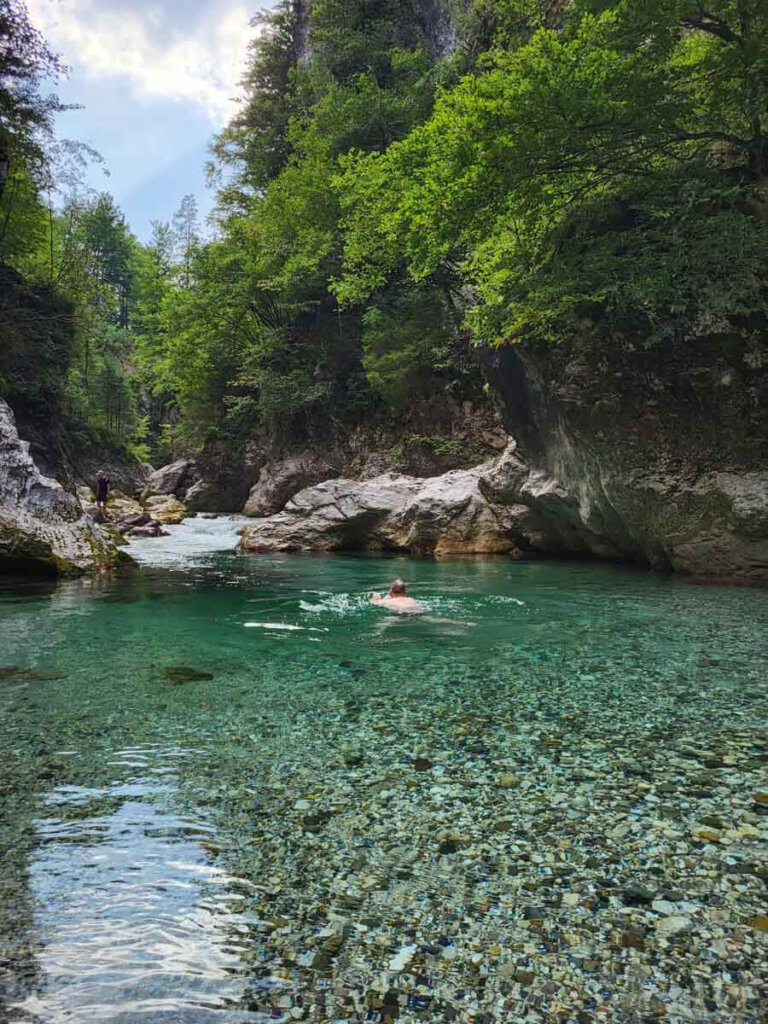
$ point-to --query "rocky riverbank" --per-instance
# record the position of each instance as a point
(715, 526)
(43, 526)
(608, 456)
(442, 515)
(622, 454)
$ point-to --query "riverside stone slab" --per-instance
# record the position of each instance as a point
(447, 514)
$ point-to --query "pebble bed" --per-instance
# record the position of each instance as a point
(546, 801)
(535, 845)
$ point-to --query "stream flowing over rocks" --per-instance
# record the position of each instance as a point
(41, 524)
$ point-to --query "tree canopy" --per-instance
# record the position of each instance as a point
(402, 182)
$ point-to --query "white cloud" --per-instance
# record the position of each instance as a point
(198, 59)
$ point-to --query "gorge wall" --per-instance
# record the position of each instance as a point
(622, 452)
(652, 455)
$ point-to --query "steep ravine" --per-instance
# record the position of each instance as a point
(648, 456)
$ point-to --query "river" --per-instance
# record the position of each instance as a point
(234, 790)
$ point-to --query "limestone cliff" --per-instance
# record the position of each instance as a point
(646, 455)
(656, 455)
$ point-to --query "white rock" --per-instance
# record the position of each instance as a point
(40, 522)
(403, 959)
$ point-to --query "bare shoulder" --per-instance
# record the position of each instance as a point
(406, 604)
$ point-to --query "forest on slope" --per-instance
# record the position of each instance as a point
(404, 183)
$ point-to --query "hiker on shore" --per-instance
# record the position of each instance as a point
(102, 490)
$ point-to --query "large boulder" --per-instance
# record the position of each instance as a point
(43, 526)
(175, 478)
(166, 509)
(279, 481)
(126, 473)
(440, 515)
(118, 506)
(204, 496)
(226, 472)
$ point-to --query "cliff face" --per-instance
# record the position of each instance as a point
(652, 455)
(42, 526)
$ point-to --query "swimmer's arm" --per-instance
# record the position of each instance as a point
(376, 598)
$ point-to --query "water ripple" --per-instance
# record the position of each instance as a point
(135, 924)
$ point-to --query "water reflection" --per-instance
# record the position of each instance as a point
(133, 921)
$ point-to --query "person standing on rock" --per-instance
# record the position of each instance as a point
(102, 490)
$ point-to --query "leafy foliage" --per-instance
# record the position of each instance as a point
(257, 342)
(26, 116)
(612, 169)
(570, 166)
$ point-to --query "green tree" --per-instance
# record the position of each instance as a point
(186, 232)
(26, 116)
(254, 147)
(608, 172)
(270, 349)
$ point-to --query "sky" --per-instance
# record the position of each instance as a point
(156, 79)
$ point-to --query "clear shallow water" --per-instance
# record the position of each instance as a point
(358, 816)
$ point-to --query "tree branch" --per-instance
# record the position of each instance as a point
(706, 22)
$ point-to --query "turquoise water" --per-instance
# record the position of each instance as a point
(236, 791)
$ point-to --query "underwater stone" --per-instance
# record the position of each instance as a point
(637, 896)
(185, 674)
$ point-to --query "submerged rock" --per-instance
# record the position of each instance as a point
(29, 675)
(151, 529)
(41, 525)
(185, 674)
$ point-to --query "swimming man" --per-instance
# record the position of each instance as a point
(397, 599)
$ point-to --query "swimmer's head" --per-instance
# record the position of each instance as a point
(397, 589)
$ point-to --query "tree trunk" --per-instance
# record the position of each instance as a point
(5, 163)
